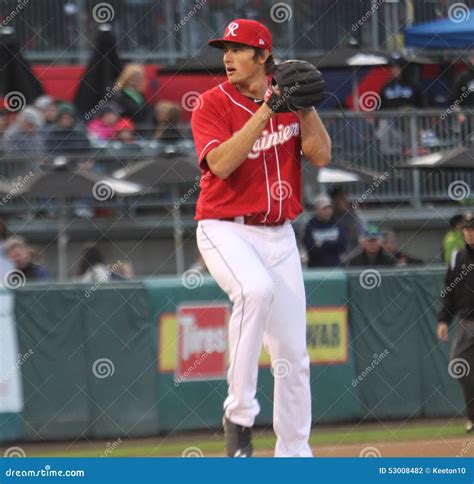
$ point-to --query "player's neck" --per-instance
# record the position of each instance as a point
(253, 88)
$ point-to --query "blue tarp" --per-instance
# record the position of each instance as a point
(456, 32)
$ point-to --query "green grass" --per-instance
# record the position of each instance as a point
(213, 443)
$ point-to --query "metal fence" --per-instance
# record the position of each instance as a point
(166, 30)
(374, 141)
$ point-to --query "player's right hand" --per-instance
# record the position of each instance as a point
(443, 329)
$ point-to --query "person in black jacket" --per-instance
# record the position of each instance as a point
(324, 239)
(372, 253)
(400, 91)
(457, 298)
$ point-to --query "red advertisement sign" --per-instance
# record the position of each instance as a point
(202, 342)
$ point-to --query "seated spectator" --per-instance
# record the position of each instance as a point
(125, 133)
(168, 115)
(372, 252)
(22, 258)
(453, 240)
(24, 137)
(4, 122)
(104, 126)
(131, 99)
(48, 109)
(401, 90)
(463, 92)
(66, 135)
(92, 267)
(348, 217)
(391, 247)
(5, 264)
(324, 239)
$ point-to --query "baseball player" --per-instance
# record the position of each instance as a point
(249, 133)
(458, 302)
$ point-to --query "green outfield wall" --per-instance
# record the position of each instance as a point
(111, 361)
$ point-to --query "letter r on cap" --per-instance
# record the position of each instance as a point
(233, 26)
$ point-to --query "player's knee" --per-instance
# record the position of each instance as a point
(260, 290)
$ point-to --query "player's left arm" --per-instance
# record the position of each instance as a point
(315, 141)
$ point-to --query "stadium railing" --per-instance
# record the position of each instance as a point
(170, 30)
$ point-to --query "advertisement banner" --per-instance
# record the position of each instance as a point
(202, 341)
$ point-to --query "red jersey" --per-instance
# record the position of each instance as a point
(268, 183)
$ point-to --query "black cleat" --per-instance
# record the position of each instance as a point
(238, 439)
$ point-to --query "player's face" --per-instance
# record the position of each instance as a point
(469, 235)
(240, 64)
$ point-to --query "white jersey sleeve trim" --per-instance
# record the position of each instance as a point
(205, 147)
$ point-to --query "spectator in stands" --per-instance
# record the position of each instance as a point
(348, 217)
(401, 90)
(22, 257)
(25, 137)
(66, 135)
(324, 239)
(104, 126)
(168, 115)
(92, 267)
(125, 133)
(48, 109)
(131, 98)
(372, 252)
(5, 263)
(453, 240)
(390, 246)
(4, 122)
(463, 93)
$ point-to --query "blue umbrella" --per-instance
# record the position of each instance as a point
(455, 32)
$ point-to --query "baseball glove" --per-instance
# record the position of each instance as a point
(300, 86)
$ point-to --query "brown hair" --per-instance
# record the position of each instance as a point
(269, 63)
